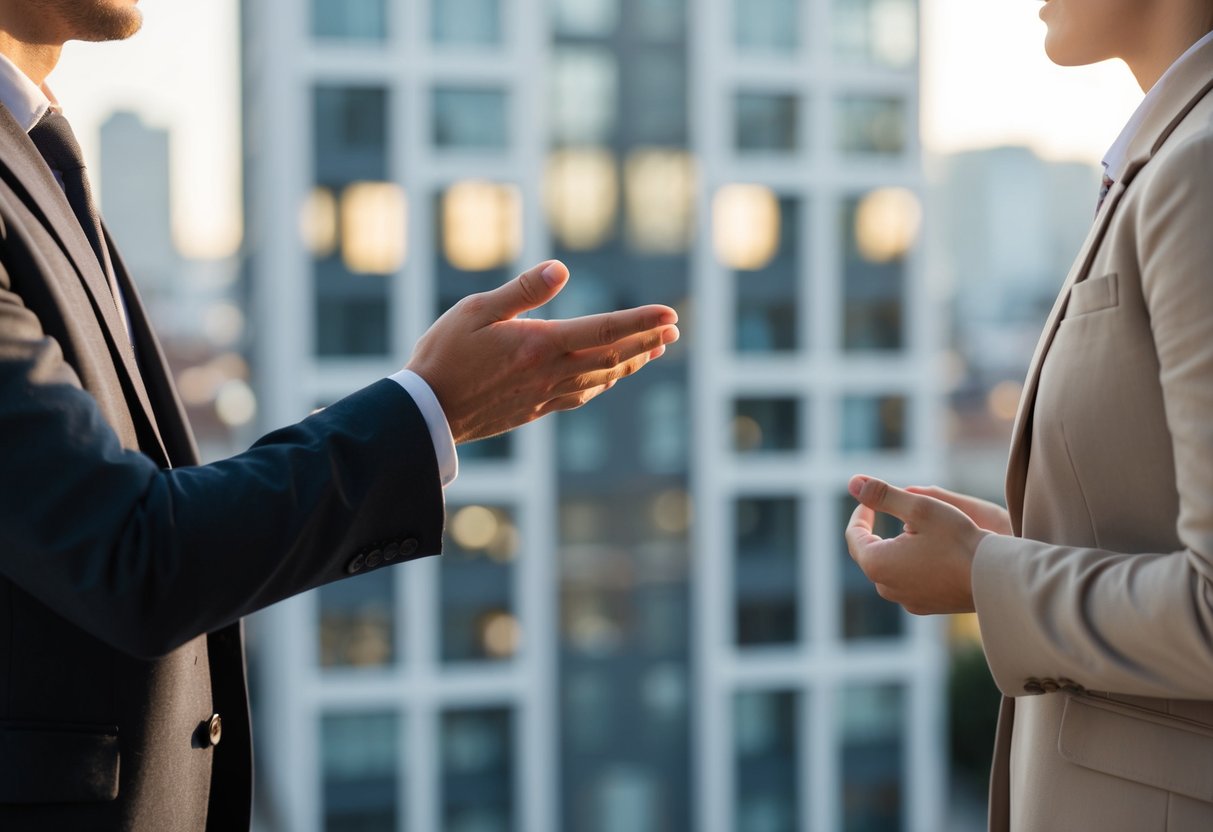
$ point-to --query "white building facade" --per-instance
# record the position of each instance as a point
(646, 618)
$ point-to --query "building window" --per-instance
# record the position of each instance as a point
(471, 119)
(874, 271)
(478, 770)
(873, 769)
(766, 122)
(766, 570)
(586, 18)
(584, 96)
(881, 33)
(767, 768)
(766, 26)
(766, 425)
(357, 621)
(865, 615)
(357, 20)
(354, 221)
(759, 236)
(873, 423)
(360, 765)
(466, 22)
(476, 576)
(871, 125)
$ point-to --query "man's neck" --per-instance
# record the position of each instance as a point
(36, 60)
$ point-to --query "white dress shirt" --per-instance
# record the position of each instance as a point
(1116, 158)
(28, 103)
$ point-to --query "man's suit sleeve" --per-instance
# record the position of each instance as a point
(1139, 623)
(146, 559)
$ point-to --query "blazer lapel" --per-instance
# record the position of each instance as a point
(1184, 91)
(45, 197)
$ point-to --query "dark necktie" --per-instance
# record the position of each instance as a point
(54, 138)
(1105, 185)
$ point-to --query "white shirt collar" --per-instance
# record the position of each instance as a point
(25, 100)
(1116, 158)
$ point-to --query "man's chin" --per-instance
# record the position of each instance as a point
(111, 24)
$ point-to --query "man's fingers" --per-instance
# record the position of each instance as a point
(888, 499)
(622, 351)
(859, 532)
(530, 290)
(572, 401)
(597, 378)
(607, 328)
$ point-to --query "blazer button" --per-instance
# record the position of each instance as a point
(374, 559)
(391, 552)
(1033, 687)
(214, 729)
(1050, 686)
(1070, 686)
(356, 564)
(408, 547)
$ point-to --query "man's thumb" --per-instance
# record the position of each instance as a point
(530, 290)
(880, 496)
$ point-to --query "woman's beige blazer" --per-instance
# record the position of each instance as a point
(1098, 616)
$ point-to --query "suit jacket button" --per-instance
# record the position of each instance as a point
(391, 552)
(1070, 686)
(356, 564)
(1050, 686)
(1033, 687)
(374, 559)
(408, 547)
(214, 729)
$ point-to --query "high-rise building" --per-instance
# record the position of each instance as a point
(646, 619)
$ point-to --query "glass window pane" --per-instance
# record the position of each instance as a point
(873, 125)
(471, 119)
(766, 570)
(879, 32)
(874, 423)
(767, 318)
(587, 18)
(357, 621)
(584, 95)
(765, 738)
(478, 770)
(477, 237)
(864, 613)
(359, 761)
(766, 122)
(874, 271)
(476, 576)
(770, 26)
(349, 19)
(657, 98)
(356, 221)
(466, 22)
(873, 769)
(766, 425)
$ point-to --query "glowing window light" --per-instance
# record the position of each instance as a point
(374, 219)
(745, 226)
(474, 527)
(581, 197)
(235, 403)
(481, 225)
(318, 222)
(659, 188)
(1003, 400)
(500, 634)
(887, 222)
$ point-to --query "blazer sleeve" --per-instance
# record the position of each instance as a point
(147, 559)
(1139, 623)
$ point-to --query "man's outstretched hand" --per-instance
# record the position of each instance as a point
(493, 371)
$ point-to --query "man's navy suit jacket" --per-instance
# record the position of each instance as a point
(125, 567)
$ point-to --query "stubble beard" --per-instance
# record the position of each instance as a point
(98, 20)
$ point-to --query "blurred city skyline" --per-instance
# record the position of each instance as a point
(182, 73)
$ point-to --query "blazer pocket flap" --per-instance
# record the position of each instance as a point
(1139, 745)
(1093, 294)
(47, 763)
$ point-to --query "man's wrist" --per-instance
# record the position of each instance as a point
(435, 419)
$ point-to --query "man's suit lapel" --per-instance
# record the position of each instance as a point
(175, 434)
(29, 173)
(1184, 91)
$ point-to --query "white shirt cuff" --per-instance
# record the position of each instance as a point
(435, 420)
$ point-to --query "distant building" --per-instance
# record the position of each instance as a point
(1007, 227)
(646, 620)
